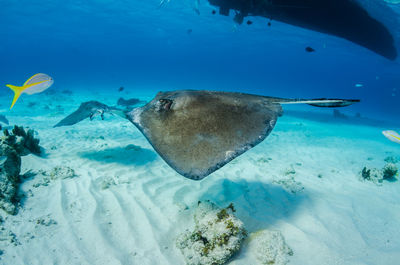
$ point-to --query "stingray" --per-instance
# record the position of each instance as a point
(198, 132)
(3, 119)
(346, 19)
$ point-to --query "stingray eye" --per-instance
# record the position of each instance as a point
(165, 104)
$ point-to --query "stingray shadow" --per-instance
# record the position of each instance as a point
(129, 155)
(258, 204)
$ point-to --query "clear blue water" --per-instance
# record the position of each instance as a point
(102, 45)
(125, 205)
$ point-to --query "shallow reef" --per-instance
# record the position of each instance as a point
(13, 145)
(217, 235)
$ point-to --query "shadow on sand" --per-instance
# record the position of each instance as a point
(259, 204)
(129, 155)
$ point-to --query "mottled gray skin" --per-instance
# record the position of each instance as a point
(198, 132)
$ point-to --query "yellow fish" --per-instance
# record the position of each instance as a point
(392, 136)
(36, 84)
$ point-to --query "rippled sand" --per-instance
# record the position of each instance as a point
(127, 206)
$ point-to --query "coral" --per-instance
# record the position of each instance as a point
(366, 173)
(373, 174)
(270, 247)
(389, 171)
(218, 234)
(377, 176)
(12, 146)
(22, 141)
(10, 166)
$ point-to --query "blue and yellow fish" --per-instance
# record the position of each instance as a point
(35, 84)
(392, 136)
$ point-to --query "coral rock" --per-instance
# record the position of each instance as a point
(389, 172)
(218, 234)
(270, 247)
(22, 141)
(12, 146)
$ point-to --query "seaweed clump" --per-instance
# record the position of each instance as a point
(12, 146)
(218, 234)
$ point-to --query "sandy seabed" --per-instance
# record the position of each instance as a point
(122, 204)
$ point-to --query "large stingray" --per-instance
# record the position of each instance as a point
(198, 132)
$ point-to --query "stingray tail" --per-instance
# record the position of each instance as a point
(321, 102)
(90, 109)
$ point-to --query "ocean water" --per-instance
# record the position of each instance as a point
(100, 194)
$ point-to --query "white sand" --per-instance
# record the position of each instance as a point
(127, 206)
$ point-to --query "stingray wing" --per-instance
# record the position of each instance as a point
(4, 119)
(198, 132)
(87, 109)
